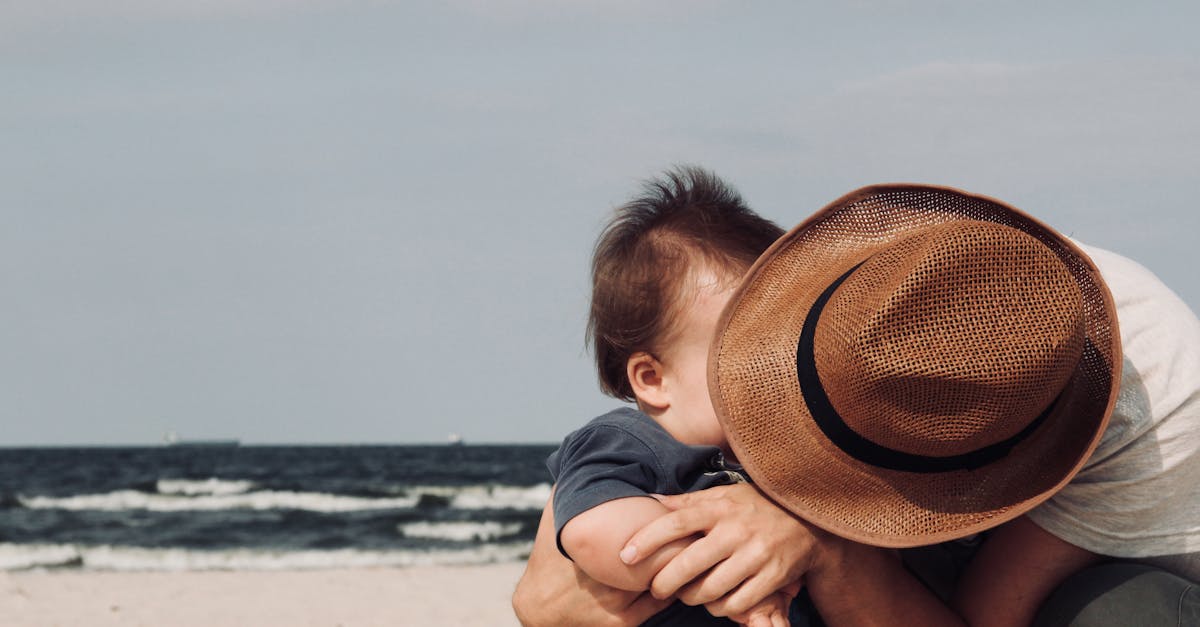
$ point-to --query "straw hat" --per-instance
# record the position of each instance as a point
(914, 364)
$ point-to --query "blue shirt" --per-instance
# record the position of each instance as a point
(625, 453)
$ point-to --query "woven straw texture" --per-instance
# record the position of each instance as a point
(960, 321)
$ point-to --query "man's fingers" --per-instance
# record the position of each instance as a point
(690, 563)
(693, 512)
(771, 612)
(662, 531)
(751, 592)
(720, 579)
(736, 561)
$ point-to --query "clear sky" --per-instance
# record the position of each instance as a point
(324, 221)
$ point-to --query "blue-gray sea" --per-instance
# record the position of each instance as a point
(252, 507)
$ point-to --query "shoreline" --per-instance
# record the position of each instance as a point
(465, 596)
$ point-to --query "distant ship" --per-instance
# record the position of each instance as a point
(172, 439)
(454, 439)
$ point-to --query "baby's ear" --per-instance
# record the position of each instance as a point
(646, 378)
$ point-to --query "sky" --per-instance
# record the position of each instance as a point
(320, 221)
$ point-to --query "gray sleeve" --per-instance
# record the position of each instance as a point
(1138, 495)
(597, 464)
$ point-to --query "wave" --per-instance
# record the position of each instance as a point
(502, 497)
(132, 499)
(125, 558)
(196, 487)
(460, 531)
(25, 556)
(489, 496)
(215, 494)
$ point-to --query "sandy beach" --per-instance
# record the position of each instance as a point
(428, 595)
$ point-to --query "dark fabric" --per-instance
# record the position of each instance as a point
(1119, 594)
(625, 453)
(939, 566)
(802, 612)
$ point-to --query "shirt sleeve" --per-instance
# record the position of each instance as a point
(1138, 495)
(597, 464)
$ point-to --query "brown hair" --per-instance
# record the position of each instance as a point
(647, 252)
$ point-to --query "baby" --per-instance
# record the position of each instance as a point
(662, 272)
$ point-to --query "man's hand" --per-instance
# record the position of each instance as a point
(553, 593)
(751, 548)
(771, 611)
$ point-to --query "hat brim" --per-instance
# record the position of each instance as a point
(755, 391)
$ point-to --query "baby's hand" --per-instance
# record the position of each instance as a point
(771, 611)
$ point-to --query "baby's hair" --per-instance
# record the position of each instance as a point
(684, 220)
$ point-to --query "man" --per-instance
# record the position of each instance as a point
(949, 366)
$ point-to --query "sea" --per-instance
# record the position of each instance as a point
(183, 508)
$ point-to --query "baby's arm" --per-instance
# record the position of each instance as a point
(593, 539)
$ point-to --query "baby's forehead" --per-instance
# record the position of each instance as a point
(701, 283)
(705, 277)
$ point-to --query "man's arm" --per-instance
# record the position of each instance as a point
(1014, 572)
(552, 592)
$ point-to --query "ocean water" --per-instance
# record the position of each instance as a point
(265, 508)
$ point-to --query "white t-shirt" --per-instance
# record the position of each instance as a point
(1138, 496)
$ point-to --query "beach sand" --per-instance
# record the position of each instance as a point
(417, 596)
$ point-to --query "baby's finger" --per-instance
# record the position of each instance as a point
(760, 620)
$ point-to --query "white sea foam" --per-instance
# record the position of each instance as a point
(459, 531)
(24, 556)
(266, 500)
(211, 486)
(123, 558)
(229, 495)
(501, 497)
